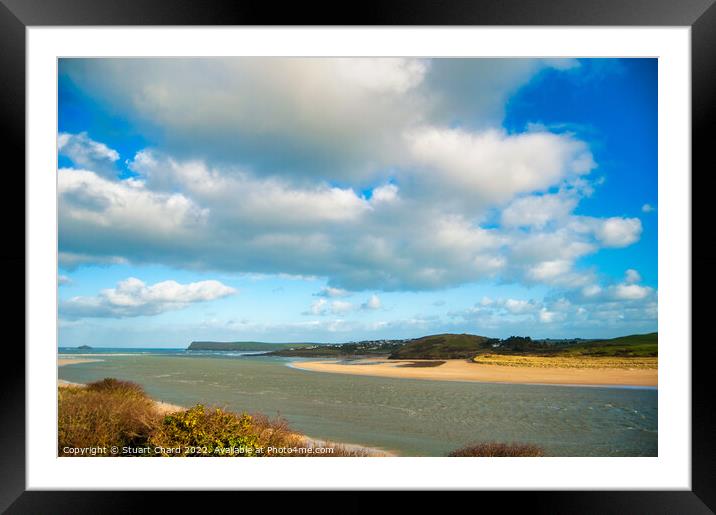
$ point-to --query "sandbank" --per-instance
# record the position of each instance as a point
(463, 370)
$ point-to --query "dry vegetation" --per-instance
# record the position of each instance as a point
(566, 362)
(104, 414)
(421, 364)
(112, 413)
(494, 449)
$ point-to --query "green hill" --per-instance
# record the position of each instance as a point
(635, 345)
(443, 346)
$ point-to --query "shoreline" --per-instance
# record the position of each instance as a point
(166, 408)
(464, 371)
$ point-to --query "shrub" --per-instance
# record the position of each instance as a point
(116, 387)
(494, 449)
(104, 414)
(201, 432)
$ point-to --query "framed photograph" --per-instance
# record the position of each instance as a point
(451, 248)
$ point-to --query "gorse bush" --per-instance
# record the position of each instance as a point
(494, 449)
(201, 432)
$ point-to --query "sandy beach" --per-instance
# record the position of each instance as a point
(73, 361)
(461, 370)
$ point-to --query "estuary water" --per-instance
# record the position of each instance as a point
(407, 416)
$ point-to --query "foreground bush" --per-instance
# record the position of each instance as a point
(104, 414)
(201, 432)
(493, 449)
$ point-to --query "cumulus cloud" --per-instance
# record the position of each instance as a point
(265, 111)
(85, 152)
(209, 217)
(631, 291)
(132, 297)
(372, 303)
(538, 211)
(317, 308)
(340, 307)
(648, 208)
(618, 232)
(323, 307)
(627, 290)
(390, 185)
(517, 307)
(577, 310)
(491, 167)
(632, 276)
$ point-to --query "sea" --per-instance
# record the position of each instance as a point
(409, 417)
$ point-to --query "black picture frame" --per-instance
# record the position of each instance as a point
(17, 15)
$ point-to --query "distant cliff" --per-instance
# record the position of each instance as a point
(245, 346)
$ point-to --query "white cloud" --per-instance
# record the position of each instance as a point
(548, 270)
(340, 307)
(491, 167)
(592, 290)
(317, 308)
(647, 208)
(322, 307)
(537, 211)
(84, 152)
(632, 276)
(372, 303)
(547, 317)
(517, 307)
(618, 232)
(226, 219)
(63, 279)
(631, 291)
(132, 297)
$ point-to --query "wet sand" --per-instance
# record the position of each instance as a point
(462, 370)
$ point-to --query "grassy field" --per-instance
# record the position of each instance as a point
(570, 361)
(636, 345)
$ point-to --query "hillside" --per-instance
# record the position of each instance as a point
(453, 346)
(635, 345)
(443, 346)
(245, 346)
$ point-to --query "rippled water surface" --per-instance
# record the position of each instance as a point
(411, 417)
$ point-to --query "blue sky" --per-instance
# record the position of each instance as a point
(341, 199)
